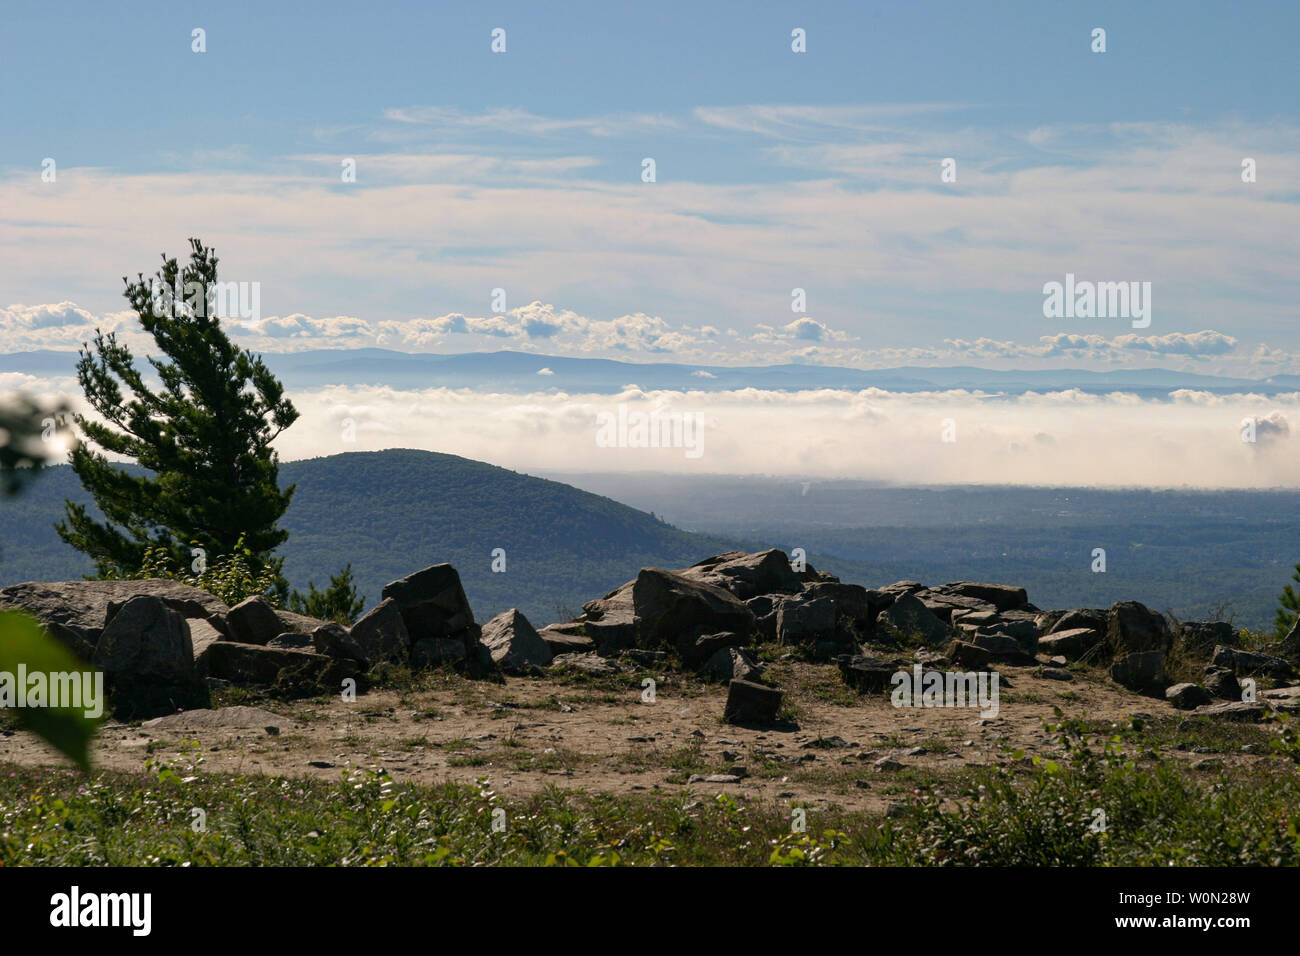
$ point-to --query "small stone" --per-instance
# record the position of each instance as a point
(714, 778)
(748, 702)
(1187, 696)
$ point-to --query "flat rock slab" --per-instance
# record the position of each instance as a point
(1233, 710)
(224, 718)
(85, 603)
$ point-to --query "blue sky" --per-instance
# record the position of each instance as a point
(775, 170)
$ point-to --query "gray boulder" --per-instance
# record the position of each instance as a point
(333, 640)
(1024, 633)
(610, 621)
(567, 639)
(293, 641)
(253, 621)
(1201, 637)
(751, 703)
(1222, 683)
(513, 643)
(1142, 671)
(854, 604)
(1002, 647)
(292, 622)
(1071, 644)
(1133, 628)
(805, 622)
(202, 636)
(1187, 696)
(79, 640)
(668, 606)
(868, 675)
(694, 650)
(747, 575)
(147, 658)
(589, 663)
(381, 634)
(432, 603)
(971, 657)
(1246, 663)
(1001, 596)
(438, 652)
(1247, 712)
(1090, 618)
(297, 671)
(733, 663)
(908, 619)
(896, 590)
(945, 606)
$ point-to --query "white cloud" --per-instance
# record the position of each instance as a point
(1045, 439)
(900, 261)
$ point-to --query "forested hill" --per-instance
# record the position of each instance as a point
(393, 512)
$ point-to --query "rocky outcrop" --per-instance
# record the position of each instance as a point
(158, 640)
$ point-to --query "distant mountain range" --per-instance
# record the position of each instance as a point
(392, 512)
(1191, 553)
(519, 372)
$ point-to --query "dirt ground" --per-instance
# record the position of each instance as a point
(597, 734)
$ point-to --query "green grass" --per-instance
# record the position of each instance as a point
(1020, 813)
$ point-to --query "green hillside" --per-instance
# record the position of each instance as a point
(393, 512)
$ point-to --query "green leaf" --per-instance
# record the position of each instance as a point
(24, 642)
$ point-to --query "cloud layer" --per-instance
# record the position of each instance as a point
(1068, 438)
(845, 202)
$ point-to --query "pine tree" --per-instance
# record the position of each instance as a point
(201, 437)
(339, 602)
